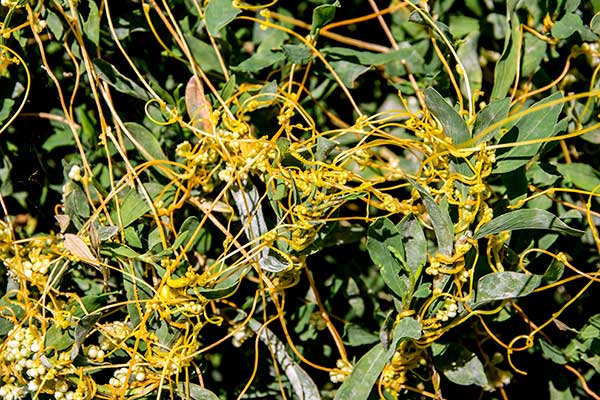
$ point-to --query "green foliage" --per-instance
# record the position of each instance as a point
(299, 199)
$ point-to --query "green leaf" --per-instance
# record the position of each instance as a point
(506, 68)
(76, 204)
(6, 106)
(223, 288)
(218, 14)
(407, 328)
(297, 53)
(452, 123)
(505, 285)
(553, 353)
(595, 23)
(415, 244)
(534, 51)
(459, 365)
(567, 25)
(91, 303)
(525, 219)
(493, 113)
(580, 175)
(55, 25)
(468, 54)
(192, 235)
(322, 15)
(259, 61)
(136, 289)
(57, 338)
(203, 53)
(538, 124)
(442, 224)
(145, 142)
(348, 72)
(91, 27)
(383, 236)
(60, 138)
(358, 336)
(108, 73)
(119, 250)
(82, 329)
(461, 26)
(194, 391)
(364, 375)
(134, 206)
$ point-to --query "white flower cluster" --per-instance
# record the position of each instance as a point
(32, 266)
(340, 374)
(119, 379)
(10, 391)
(23, 343)
(448, 311)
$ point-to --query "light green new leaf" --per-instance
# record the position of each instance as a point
(580, 175)
(364, 375)
(525, 219)
(322, 15)
(505, 285)
(453, 124)
(442, 224)
(538, 124)
(218, 14)
(506, 68)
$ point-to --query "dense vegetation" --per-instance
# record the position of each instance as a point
(299, 199)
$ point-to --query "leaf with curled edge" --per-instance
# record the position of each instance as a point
(76, 246)
(197, 105)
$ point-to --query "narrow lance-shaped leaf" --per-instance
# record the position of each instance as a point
(505, 285)
(382, 237)
(540, 123)
(146, 143)
(506, 68)
(442, 224)
(525, 219)
(493, 113)
(364, 375)
(453, 124)
(108, 73)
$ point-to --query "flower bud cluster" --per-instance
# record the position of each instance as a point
(343, 370)
(448, 311)
(119, 379)
(112, 334)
